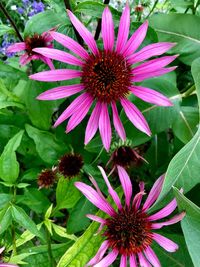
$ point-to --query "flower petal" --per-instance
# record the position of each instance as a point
(148, 51)
(59, 55)
(135, 116)
(104, 126)
(24, 59)
(123, 261)
(164, 242)
(111, 191)
(138, 197)
(153, 65)
(152, 74)
(173, 220)
(93, 123)
(48, 62)
(151, 256)
(94, 197)
(123, 31)
(154, 193)
(164, 212)
(70, 44)
(72, 108)
(117, 122)
(56, 75)
(17, 47)
(108, 260)
(133, 262)
(79, 115)
(96, 218)
(135, 41)
(143, 261)
(126, 184)
(108, 34)
(99, 255)
(61, 92)
(84, 33)
(150, 96)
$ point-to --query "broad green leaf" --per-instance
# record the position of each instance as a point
(190, 225)
(9, 166)
(182, 29)
(61, 231)
(48, 20)
(6, 71)
(185, 126)
(66, 193)
(5, 219)
(4, 29)
(48, 148)
(20, 216)
(18, 259)
(4, 199)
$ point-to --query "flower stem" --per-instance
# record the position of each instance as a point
(52, 261)
(78, 37)
(14, 240)
(11, 21)
(98, 29)
(154, 6)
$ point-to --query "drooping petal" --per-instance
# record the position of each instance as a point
(135, 41)
(94, 197)
(93, 181)
(61, 92)
(164, 242)
(108, 34)
(151, 256)
(149, 51)
(79, 115)
(104, 126)
(72, 108)
(93, 123)
(133, 262)
(126, 184)
(8, 265)
(135, 116)
(123, 261)
(99, 255)
(123, 31)
(56, 75)
(59, 55)
(138, 198)
(111, 191)
(173, 220)
(150, 96)
(96, 218)
(143, 261)
(164, 212)
(154, 193)
(84, 33)
(141, 77)
(117, 122)
(17, 47)
(108, 260)
(48, 61)
(70, 44)
(153, 65)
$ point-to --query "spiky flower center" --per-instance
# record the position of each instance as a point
(33, 42)
(46, 178)
(129, 231)
(106, 77)
(70, 165)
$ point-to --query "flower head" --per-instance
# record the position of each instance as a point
(129, 231)
(70, 164)
(106, 76)
(46, 178)
(29, 44)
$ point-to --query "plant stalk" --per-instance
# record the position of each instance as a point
(98, 29)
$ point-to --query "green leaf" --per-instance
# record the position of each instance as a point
(182, 29)
(48, 148)
(185, 126)
(6, 71)
(66, 193)
(9, 166)
(48, 20)
(4, 29)
(4, 199)
(61, 231)
(190, 225)
(20, 216)
(5, 219)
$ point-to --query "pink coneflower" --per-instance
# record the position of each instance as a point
(106, 76)
(29, 44)
(129, 230)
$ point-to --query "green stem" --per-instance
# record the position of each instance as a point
(97, 156)
(52, 261)
(189, 91)
(154, 6)
(14, 240)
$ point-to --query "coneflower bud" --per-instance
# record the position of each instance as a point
(70, 164)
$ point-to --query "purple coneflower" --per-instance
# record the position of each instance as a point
(129, 230)
(29, 44)
(106, 76)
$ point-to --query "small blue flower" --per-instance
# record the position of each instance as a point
(38, 7)
(20, 10)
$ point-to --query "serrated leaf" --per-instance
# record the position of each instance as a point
(9, 166)
(190, 225)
